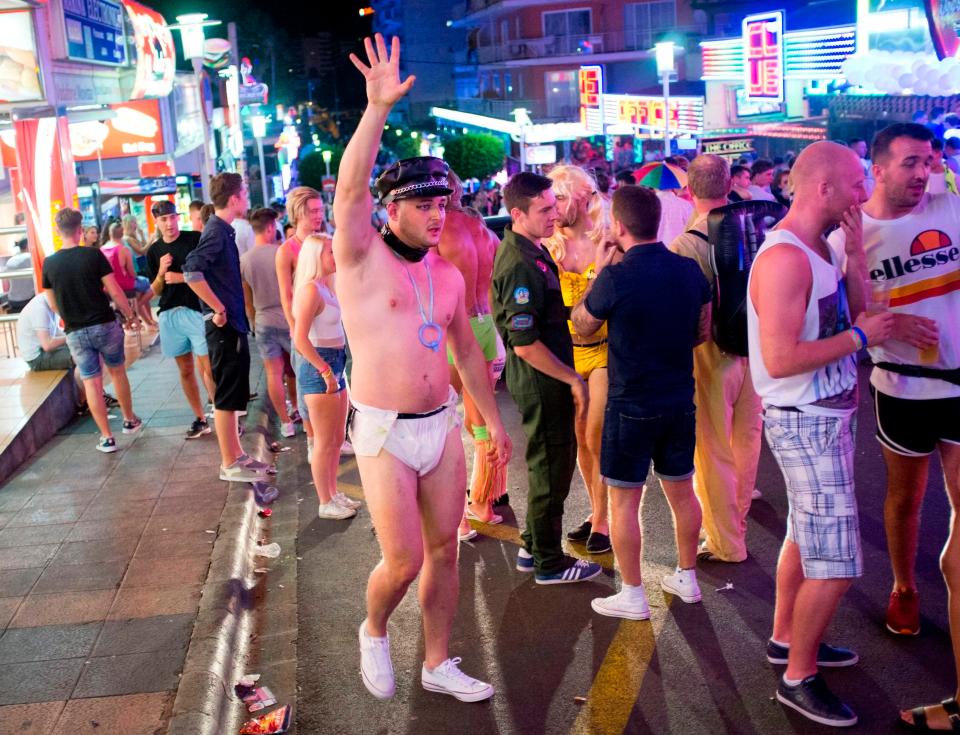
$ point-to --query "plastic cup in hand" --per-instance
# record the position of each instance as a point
(878, 296)
(930, 355)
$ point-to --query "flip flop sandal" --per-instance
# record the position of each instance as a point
(494, 519)
(919, 716)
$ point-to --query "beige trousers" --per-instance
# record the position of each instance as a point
(728, 447)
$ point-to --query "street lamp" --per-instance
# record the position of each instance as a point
(191, 28)
(259, 125)
(522, 117)
(327, 157)
(666, 66)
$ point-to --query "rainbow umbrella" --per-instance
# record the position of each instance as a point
(659, 175)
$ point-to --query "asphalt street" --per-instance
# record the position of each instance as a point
(559, 668)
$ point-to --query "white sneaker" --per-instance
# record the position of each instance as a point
(288, 429)
(620, 605)
(347, 448)
(376, 668)
(683, 584)
(448, 679)
(333, 511)
(238, 472)
(346, 502)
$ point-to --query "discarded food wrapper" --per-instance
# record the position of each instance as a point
(264, 494)
(271, 551)
(258, 699)
(270, 724)
(260, 570)
(726, 588)
(265, 513)
(580, 700)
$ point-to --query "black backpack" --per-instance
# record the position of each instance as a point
(735, 233)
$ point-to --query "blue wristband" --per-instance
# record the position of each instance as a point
(860, 334)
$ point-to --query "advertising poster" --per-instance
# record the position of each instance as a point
(134, 131)
(94, 30)
(19, 73)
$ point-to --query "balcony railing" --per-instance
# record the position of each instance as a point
(492, 107)
(579, 45)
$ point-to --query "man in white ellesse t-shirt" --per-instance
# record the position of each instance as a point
(912, 244)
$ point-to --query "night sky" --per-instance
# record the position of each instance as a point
(271, 34)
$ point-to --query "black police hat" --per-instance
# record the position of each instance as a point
(162, 208)
(424, 176)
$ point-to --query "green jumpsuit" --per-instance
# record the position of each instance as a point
(527, 307)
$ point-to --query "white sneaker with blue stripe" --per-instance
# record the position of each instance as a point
(524, 560)
(578, 571)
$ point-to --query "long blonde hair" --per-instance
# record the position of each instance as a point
(308, 261)
(566, 180)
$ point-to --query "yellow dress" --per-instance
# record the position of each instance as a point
(593, 355)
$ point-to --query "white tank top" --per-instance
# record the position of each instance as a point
(326, 330)
(918, 256)
(832, 389)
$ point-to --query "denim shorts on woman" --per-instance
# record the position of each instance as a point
(89, 344)
(309, 380)
(815, 454)
(633, 437)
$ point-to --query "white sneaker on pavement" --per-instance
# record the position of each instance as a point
(376, 668)
(683, 584)
(629, 605)
(288, 429)
(346, 448)
(448, 679)
(346, 502)
(333, 511)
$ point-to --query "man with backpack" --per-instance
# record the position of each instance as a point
(728, 409)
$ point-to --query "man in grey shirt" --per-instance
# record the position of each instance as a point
(261, 292)
(19, 290)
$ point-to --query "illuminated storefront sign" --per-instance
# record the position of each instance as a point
(622, 111)
(94, 31)
(763, 56)
(19, 73)
(156, 54)
(728, 147)
(591, 92)
(134, 131)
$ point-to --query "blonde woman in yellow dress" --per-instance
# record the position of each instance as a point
(581, 227)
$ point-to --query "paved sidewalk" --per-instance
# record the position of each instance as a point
(102, 562)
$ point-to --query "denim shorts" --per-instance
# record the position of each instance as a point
(272, 342)
(815, 454)
(633, 437)
(140, 285)
(309, 381)
(182, 332)
(89, 344)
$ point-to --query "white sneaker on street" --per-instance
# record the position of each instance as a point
(346, 502)
(448, 679)
(333, 511)
(288, 429)
(683, 584)
(238, 472)
(376, 668)
(622, 605)
(347, 448)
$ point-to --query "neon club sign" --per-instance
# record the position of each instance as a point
(763, 56)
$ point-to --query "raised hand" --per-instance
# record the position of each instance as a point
(384, 87)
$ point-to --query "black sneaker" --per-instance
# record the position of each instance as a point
(832, 657)
(598, 543)
(110, 401)
(198, 428)
(813, 699)
(581, 532)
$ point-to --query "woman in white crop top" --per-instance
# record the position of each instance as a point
(319, 360)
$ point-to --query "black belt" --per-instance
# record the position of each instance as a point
(917, 371)
(592, 344)
(790, 409)
(434, 412)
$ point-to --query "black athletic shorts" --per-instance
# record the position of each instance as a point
(913, 427)
(230, 364)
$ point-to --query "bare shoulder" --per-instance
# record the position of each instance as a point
(445, 269)
(783, 264)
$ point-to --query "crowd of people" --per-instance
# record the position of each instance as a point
(599, 307)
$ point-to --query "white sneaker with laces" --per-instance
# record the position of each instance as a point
(333, 511)
(346, 502)
(448, 679)
(622, 605)
(346, 448)
(288, 429)
(683, 584)
(376, 668)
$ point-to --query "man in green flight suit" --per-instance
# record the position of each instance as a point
(532, 320)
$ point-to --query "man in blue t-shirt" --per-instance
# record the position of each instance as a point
(657, 308)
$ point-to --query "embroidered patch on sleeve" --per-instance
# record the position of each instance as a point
(522, 295)
(521, 321)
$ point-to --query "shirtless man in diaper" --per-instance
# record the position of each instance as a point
(402, 306)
